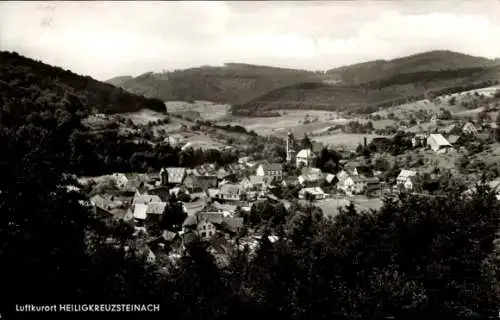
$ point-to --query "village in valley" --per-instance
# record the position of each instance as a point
(167, 210)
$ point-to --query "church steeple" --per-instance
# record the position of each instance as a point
(290, 152)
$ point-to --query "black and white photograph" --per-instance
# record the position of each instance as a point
(220, 160)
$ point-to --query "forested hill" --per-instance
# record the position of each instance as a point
(431, 61)
(43, 84)
(232, 83)
(364, 88)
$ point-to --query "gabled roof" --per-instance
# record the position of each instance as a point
(309, 170)
(258, 179)
(329, 177)
(453, 138)
(190, 221)
(230, 189)
(156, 207)
(439, 139)
(176, 174)
(313, 191)
(373, 180)
(272, 166)
(234, 223)
(305, 153)
(146, 199)
(168, 235)
(101, 201)
(191, 182)
(212, 192)
(213, 217)
(404, 174)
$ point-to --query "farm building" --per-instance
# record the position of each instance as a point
(437, 142)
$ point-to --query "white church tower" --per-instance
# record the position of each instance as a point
(290, 152)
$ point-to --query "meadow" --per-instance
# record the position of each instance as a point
(208, 110)
(345, 140)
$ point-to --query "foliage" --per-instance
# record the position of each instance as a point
(25, 80)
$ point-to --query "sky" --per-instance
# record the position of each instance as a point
(107, 39)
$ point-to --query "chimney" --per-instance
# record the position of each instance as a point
(364, 139)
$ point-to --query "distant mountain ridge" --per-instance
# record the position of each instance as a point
(42, 83)
(251, 88)
(232, 83)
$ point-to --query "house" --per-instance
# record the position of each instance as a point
(469, 128)
(205, 229)
(358, 185)
(317, 193)
(213, 193)
(453, 139)
(372, 185)
(345, 181)
(172, 175)
(412, 183)
(273, 170)
(179, 192)
(192, 184)
(330, 178)
(437, 142)
(120, 179)
(419, 140)
(451, 129)
(234, 224)
(362, 171)
(142, 210)
(145, 199)
(310, 176)
(207, 181)
(246, 184)
(244, 160)
(290, 181)
(222, 174)
(231, 192)
(305, 157)
(404, 175)
(255, 182)
(102, 202)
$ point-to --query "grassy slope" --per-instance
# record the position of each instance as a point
(41, 83)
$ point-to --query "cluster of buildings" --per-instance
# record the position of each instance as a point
(443, 138)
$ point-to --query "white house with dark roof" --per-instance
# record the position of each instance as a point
(305, 157)
(273, 170)
(404, 175)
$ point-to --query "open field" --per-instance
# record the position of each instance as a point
(331, 206)
(198, 140)
(347, 140)
(208, 110)
(292, 120)
(144, 116)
